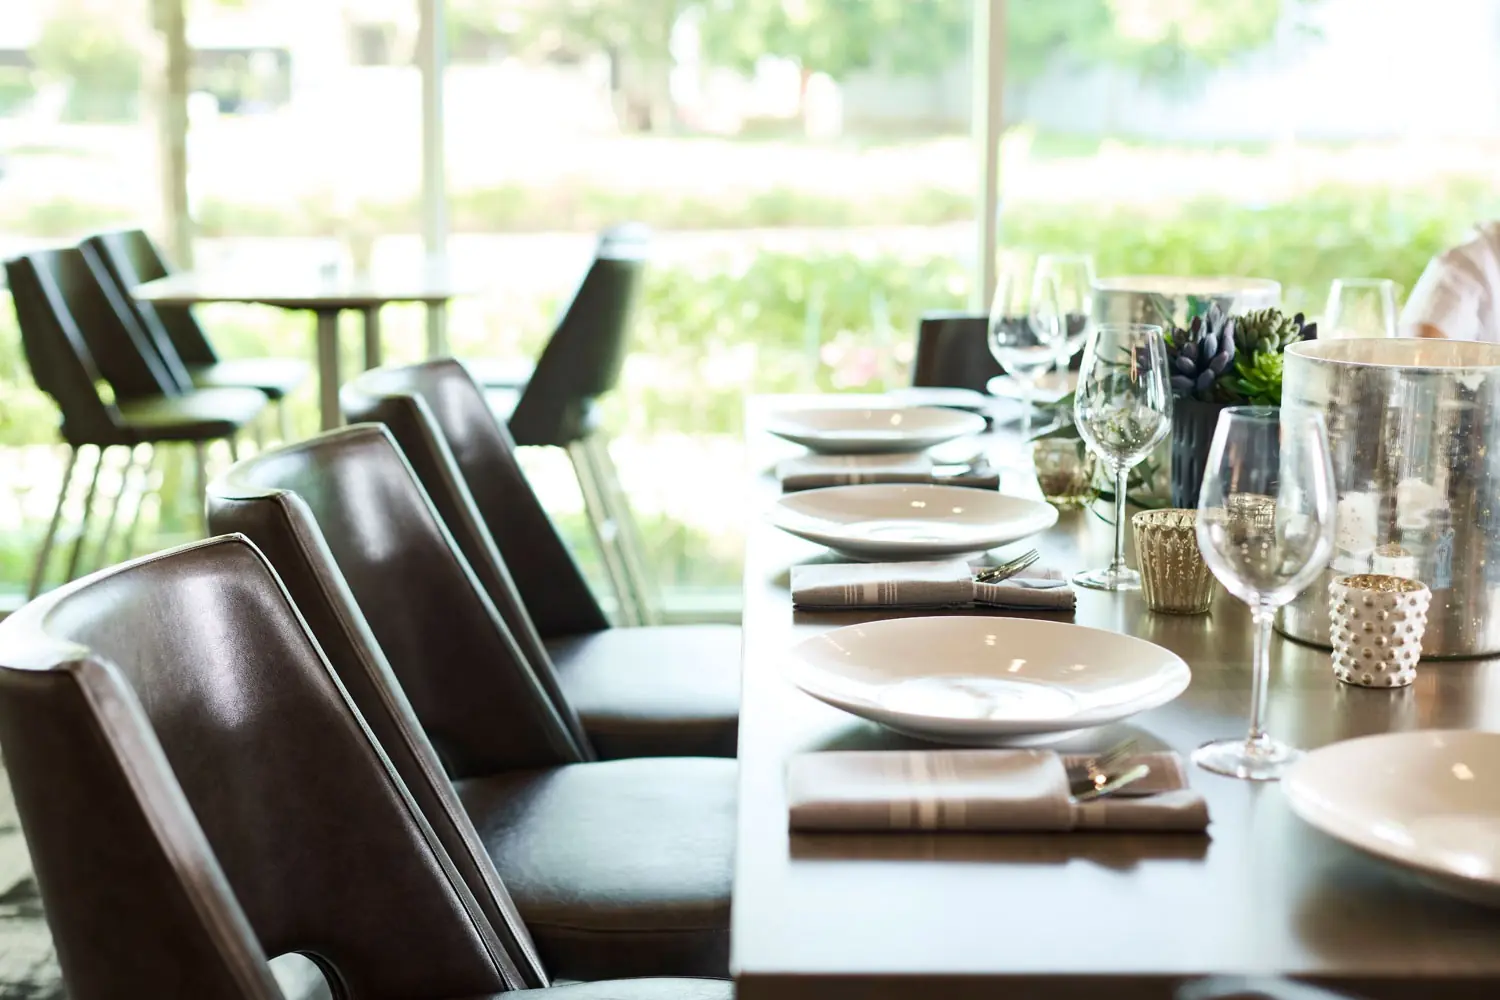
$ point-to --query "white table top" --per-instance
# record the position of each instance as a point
(431, 284)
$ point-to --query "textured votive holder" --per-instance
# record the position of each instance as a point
(1376, 623)
(1064, 471)
(1173, 574)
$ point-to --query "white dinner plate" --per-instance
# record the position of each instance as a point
(872, 430)
(1049, 390)
(909, 521)
(986, 681)
(1427, 801)
(956, 399)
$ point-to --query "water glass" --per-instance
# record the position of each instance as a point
(1123, 409)
(1024, 350)
(1062, 301)
(1265, 528)
(1360, 308)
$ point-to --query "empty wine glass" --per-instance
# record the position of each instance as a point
(1265, 528)
(1360, 308)
(1123, 409)
(1062, 302)
(1022, 349)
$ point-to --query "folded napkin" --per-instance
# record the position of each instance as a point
(946, 583)
(810, 472)
(980, 790)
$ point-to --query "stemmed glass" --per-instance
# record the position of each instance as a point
(1123, 409)
(1360, 308)
(1024, 350)
(1062, 302)
(1265, 528)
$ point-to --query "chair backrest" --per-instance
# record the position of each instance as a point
(132, 259)
(479, 699)
(953, 352)
(59, 357)
(438, 416)
(315, 834)
(583, 358)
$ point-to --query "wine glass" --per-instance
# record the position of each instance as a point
(1062, 302)
(1265, 528)
(1123, 409)
(1023, 350)
(1360, 308)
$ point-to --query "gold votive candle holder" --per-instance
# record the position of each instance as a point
(1064, 471)
(1174, 577)
(1376, 622)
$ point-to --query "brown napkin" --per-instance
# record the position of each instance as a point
(980, 790)
(810, 472)
(945, 583)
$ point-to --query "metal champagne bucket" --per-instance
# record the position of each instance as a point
(1414, 431)
(1171, 299)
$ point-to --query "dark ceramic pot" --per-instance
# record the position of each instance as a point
(1193, 423)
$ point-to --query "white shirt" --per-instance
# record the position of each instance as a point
(1459, 292)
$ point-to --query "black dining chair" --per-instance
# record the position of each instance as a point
(81, 346)
(620, 867)
(556, 405)
(953, 352)
(199, 794)
(173, 335)
(664, 690)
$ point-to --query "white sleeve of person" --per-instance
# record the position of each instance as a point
(1459, 292)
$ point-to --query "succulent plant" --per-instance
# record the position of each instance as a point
(1257, 378)
(1198, 356)
(1270, 331)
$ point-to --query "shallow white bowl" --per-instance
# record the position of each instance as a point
(909, 521)
(1048, 391)
(986, 681)
(873, 430)
(1427, 801)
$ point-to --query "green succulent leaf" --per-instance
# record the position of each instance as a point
(1258, 378)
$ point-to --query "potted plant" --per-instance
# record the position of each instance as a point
(1217, 362)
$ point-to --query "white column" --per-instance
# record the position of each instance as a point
(989, 123)
(432, 58)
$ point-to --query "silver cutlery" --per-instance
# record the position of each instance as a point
(1095, 771)
(1006, 570)
(1112, 783)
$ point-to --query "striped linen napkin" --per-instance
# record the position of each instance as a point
(946, 583)
(811, 472)
(980, 790)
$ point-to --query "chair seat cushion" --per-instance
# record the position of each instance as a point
(661, 691)
(200, 415)
(637, 989)
(276, 377)
(620, 868)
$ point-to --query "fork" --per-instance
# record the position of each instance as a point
(1006, 570)
(1093, 773)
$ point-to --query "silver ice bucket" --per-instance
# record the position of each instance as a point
(1172, 299)
(1414, 428)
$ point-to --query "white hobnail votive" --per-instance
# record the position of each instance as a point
(1376, 623)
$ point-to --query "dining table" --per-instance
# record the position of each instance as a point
(1097, 915)
(326, 294)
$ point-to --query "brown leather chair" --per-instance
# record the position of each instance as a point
(199, 793)
(620, 868)
(639, 692)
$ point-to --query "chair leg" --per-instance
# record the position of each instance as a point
(632, 550)
(83, 520)
(140, 503)
(606, 533)
(200, 473)
(102, 559)
(39, 570)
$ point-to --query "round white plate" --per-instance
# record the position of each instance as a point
(985, 681)
(909, 521)
(872, 430)
(957, 399)
(1428, 801)
(1049, 390)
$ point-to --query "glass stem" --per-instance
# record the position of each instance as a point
(1121, 475)
(1262, 615)
(1027, 391)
